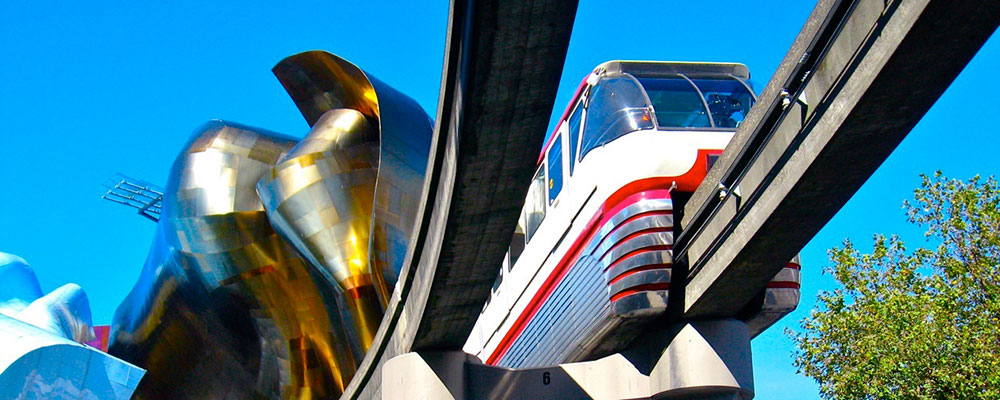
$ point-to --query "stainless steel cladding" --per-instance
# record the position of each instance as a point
(319, 197)
(319, 82)
(623, 273)
(271, 254)
(636, 256)
(224, 306)
(779, 298)
(590, 264)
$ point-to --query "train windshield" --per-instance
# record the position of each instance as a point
(683, 102)
(728, 100)
(676, 102)
(621, 103)
(618, 106)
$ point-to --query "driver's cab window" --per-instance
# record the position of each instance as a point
(728, 100)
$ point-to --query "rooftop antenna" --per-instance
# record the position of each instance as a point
(144, 196)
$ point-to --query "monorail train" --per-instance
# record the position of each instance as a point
(589, 264)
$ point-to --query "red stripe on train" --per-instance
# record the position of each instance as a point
(641, 288)
(625, 196)
(633, 235)
(783, 285)
(637, 270)
(633, 218)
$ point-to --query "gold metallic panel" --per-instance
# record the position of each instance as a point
(271, 255)
(225, 307)
(319, 197)
(319, 82)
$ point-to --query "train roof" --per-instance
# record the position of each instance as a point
(647, 69)
(653, 68)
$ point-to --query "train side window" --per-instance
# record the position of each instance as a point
(555, 169)
(497, 282)
(517, 242)
(574, 134)
(534, 204)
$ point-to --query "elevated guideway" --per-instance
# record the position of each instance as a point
(503, 61)
(857, 79)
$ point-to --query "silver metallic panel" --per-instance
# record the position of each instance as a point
(780, 300)
(642, 304)
(319, 198)
(651, 222)
(224, 307)
(639, 242)
(614, 250)
(780, 297)
(657, 257)
(627, 212)
(577, 307)
(653, 276)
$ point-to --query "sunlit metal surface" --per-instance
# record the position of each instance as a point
(64, 312)
(36, 364)
(41, 336)
(225, 307)
(319, 82)
(269, 259)
(780, 297)
(320, 198)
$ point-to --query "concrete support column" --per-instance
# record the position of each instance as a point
(704, 360)
(428, 375)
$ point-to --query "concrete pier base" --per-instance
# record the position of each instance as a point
(704, 360)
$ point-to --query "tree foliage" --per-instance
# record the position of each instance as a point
(920, 324)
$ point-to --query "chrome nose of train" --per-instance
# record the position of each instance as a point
(636, 253)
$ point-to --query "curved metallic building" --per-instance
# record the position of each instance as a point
(43, 351)
(270, 255)
(64, 312)
(320, 198)
(319, 82)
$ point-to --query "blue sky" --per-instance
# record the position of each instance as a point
(88, 90)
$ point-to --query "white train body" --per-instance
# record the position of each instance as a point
(590, 261)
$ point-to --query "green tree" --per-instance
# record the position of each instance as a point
(920, 324)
